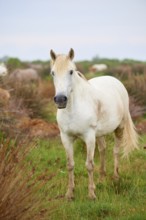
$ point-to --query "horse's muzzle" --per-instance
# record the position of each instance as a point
(61, 101)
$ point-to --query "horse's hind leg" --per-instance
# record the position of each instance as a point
(101, 147)
(118, 138)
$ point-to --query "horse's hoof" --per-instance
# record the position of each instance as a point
(69, 196)
(92, 196)
(102, 178)
(116, 178)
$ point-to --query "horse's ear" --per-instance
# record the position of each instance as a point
(53, 55)
(71, 54)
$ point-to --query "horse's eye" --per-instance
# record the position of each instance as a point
(71, 72)
(52, 73)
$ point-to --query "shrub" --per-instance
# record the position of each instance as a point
(29, 96)
(137, 110)
(136, 87)
(14, 63)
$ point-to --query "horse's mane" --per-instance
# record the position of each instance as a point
(81, 75)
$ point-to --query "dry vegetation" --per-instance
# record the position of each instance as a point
(29, 109)
(19, 185)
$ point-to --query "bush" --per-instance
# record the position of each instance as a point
(14, 63)
(136, 87)
(29, 96)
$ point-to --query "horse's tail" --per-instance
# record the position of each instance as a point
(130, 137)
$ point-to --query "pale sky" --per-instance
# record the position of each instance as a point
(107, 28)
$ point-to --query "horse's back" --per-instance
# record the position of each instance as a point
(105, 80)
(110, 86)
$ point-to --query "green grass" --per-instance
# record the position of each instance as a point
(121, 200)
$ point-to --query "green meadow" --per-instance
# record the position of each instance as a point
(123, 200)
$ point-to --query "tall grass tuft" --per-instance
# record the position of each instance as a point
(19, 187)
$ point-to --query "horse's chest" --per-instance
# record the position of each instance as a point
(76, 123)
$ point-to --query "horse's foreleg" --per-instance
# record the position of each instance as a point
(68, 145)
(101, 148)
(90, 142)
(118, 137)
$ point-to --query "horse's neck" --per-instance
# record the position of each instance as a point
(80, 83)
(81, 91)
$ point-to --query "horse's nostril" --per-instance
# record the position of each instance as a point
(60, 99)
(65, 98)
(55, 99)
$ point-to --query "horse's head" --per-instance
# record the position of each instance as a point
(62, 70)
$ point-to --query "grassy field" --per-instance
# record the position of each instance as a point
(122, 200)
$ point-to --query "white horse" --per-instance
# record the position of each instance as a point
(98, 67)
(90, 110)
(3, 70)
(24, 76)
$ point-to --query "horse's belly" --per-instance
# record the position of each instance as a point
(107, 126)
(100, 131)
